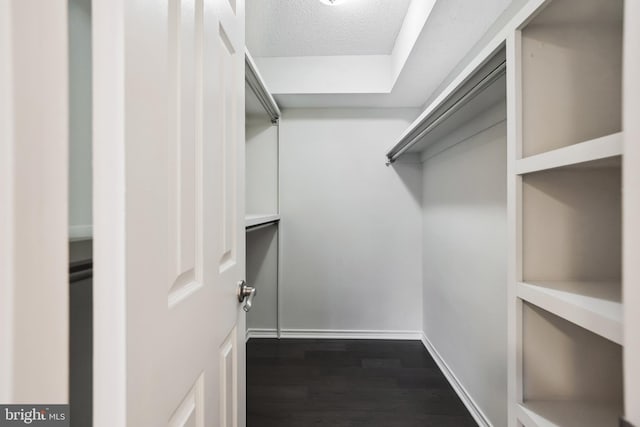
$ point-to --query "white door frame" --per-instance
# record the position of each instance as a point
(109, 317)
(631, 214)
(34, 269)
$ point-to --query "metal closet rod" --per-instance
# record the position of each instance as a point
(475, 90)
(252, 77)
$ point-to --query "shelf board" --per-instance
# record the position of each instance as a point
(254, 79)
(574, 155)
(254, 220)
(595, 306)
(480, 86)
(538, 413)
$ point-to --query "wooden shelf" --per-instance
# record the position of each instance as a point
(569, 414)
(254, 220)
(595, 306)
(582, 154)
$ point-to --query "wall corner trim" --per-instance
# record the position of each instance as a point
(462, 393)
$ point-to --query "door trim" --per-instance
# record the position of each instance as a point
(109, 244)
(34, 201)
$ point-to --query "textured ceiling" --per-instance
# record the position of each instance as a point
(311, 28)
(453, 34)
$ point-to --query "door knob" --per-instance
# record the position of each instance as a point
(246, 294)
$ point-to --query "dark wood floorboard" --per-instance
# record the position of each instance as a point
(348, 383)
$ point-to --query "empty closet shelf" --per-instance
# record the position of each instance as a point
(595, 306)
(593, 152)
(542, 413)
(255, 220)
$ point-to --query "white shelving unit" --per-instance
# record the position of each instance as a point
(566, 147)
(566, 181)
(566, 369)
(262, 202)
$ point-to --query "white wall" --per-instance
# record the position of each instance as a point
(261, 157)
(262, 273)
(327, 74)
(80, 118)
(351, 227)
(465, 262)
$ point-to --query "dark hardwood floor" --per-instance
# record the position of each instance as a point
(348, 383)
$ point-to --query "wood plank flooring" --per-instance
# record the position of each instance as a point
(348, 383)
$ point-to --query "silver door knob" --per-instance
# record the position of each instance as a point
(246, 294)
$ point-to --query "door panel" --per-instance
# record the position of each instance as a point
(228, 381)
(185, 138)
(176, 214)
(228, 108)
(228, 57)
(190, 413)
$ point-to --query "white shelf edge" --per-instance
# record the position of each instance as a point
(568, 413)
(595, 149)
(599, 316)
(529, 418)
(257, 83)
(259, 219)
(490, 49)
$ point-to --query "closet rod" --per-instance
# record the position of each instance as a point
(257, 85)
(493, 75)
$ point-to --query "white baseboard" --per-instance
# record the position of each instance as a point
(261, 333)
(466, 398)
(350, 334)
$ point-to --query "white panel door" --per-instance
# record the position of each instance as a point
(168, 203)
(34, 278)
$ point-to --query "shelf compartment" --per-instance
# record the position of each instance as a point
(567, 368)
(261, 162)
(583, 154)
(262, 273)
(595, 306)
(255, 220)
(571, 225)
(568, 414)
(571, 74)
